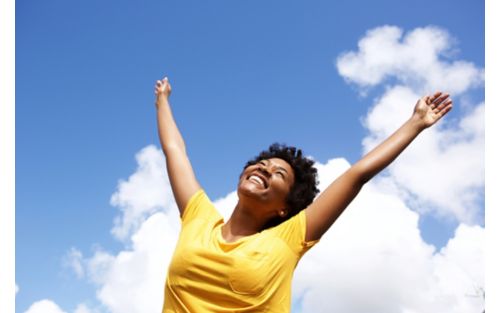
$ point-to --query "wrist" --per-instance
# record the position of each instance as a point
(161, 99)
(416, 124)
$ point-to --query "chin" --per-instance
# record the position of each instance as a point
(250, 191)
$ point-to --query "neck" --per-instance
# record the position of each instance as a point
(241, 224)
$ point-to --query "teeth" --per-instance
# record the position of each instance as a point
(257, 179)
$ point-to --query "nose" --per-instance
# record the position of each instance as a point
(263, 168)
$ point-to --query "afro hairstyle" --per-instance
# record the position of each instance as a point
(304, 188)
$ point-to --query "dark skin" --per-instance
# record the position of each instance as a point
(263, 196)
(262, 188)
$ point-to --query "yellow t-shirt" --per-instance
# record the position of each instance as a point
(252, 274)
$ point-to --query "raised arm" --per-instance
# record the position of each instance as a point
(180, 171)
(323, 212)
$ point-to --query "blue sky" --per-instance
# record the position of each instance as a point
(244, 75)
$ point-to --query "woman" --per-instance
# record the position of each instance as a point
(246, 264)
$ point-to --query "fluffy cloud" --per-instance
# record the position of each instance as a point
(442, 172)
(133, 280)
(139, 195)
(374, 260)
(82, 308)
(44, 306)
(49, 306)
(420, 59)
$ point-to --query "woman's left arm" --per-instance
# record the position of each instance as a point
(323, 212)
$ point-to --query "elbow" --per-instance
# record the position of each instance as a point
(173, 148)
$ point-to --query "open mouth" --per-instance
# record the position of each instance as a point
(258, 180)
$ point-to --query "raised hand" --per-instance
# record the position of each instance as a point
(430, 109)
(163, 88)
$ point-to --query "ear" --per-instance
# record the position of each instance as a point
(283, 213)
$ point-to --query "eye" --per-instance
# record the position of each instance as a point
(281, 174)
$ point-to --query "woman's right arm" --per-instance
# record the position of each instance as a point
(180, 172)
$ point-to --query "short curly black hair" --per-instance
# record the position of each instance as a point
(304, 188)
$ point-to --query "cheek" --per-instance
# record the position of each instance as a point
(242, 176)
(281, 191)
(240, 182)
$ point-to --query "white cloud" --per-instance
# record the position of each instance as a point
(44, 306)
(133, 280)
(49, 306)
(421, 59)
(459, 269)
(73, 260)
(442, 172)
(374, 260)
(82, 308)
(227, 204)
(98, 266)
(431, 173)
(145, 181)
(17, 289)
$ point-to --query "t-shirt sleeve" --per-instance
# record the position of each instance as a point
(199, 206)
(293, 233)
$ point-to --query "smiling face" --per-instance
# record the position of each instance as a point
(264, 186)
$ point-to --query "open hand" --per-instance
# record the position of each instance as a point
(430, 109)
(163, 88)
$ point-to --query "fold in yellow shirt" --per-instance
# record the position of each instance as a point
(252, 274)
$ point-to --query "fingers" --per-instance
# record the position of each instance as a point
(443, 112)
(162, 86)
(444, 107)
(435, 96)
(157, 87)
(437, 99)
(439, 103)
(161, 83)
